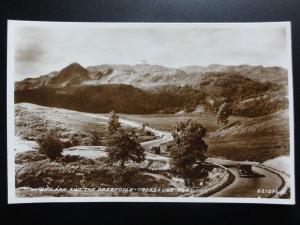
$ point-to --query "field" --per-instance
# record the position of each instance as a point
(167, 122)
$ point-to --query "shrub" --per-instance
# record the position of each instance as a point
(50, 146)
(47, 173)
(67, 144)
(123, 177)
(96, 139)
(74, 141)
(27, 157)
(70, 158)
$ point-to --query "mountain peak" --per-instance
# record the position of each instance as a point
(74, 65)
(73, 68)
(72, 74)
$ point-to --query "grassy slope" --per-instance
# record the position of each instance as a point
(33, 121)
(258, 139)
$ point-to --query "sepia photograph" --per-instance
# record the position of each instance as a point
(150, 112)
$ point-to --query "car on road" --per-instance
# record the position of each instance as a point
(155, 150)
(245, 170)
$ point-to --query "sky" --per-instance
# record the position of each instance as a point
(40, 50)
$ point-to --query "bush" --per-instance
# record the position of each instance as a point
(47, 173)
(123, 177)
(74, 141)
(28, 157)
(50, 146)
(96, 139)
(70, 158)
(67, 144)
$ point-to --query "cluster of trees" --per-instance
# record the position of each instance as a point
(168, 99)
(118, 97)
(231, 85)
(175, 98)
(94, 99)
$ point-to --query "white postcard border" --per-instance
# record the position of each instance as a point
(12, 199)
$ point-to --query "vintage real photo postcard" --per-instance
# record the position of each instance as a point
(150, 112)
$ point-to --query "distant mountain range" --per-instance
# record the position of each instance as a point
(144, 88)
(147, 76)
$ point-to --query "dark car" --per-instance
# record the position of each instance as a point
(155, 149)
(245, 170)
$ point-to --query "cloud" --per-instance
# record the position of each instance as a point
(40, 50)
(29, 50)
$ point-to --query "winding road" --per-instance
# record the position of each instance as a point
(261, 186)
(162, 136)
(100, 151)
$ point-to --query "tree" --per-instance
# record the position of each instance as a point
(122, 148)
(51, 146)
(113, 123)
(223, 114)
(188, 151)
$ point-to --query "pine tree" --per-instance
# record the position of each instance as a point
(113, 123)
(122, 148)
(223, 114)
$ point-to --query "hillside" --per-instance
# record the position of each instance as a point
(251, 90)
(72, 127)
(118, 97)
(257, 73)
(257, 139)
(147, 76)
(275, 124)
